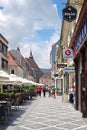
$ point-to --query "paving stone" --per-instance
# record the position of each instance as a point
(68, 126)
(53, 128)
(46, 114)
(53, 114)
(35, 126)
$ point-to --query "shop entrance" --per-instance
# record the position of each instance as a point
(84, 94)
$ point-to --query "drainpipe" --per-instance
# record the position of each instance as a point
(55, 83)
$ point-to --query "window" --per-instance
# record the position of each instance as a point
(4, 49)
(12, 71)
(4, 63)
(0, 46)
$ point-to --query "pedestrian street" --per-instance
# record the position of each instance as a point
(48, 113)
(53, 114)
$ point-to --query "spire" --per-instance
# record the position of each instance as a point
(31, 56)
(18, 49)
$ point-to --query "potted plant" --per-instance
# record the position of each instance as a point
(17, 94)
(11, 95)
(31, 91)
(1, 95)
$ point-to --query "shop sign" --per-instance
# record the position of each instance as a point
(69, 69)
(61, 65)
(69, 13)
(67, 53)
(82, 35)
(55, 75)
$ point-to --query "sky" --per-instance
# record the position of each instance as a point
(32, 25)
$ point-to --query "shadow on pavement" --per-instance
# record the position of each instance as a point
(16, 115)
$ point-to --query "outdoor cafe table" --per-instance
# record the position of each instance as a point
(3, 102)
(5, 107)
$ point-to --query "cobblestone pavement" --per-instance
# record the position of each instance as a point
(47, 113)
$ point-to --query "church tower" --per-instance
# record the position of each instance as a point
(31, 56)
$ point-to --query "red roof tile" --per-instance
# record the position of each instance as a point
(11, 60)
(32, 64)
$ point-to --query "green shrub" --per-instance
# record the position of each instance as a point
(11, 94)
(17, 94)
(29, 88)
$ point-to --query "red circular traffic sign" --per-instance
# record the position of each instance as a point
(68, 52)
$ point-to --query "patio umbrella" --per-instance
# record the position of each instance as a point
(6, 78)
(22, 80)
(39, 84)
(3, 75)
(25, 81)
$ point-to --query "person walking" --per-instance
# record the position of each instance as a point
(71, 91)
(54, 91)
(39, 90)
(49, 91)
(44, 91)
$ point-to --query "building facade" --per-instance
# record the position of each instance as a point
(35, 70)
(23, 67)
(46, 79)
(79, 45)
(3, 53)
(53, 61)
(67, 70)
(66, 66)
(14, 67)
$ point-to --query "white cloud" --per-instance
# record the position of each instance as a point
(41, 52)
(21, 19)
